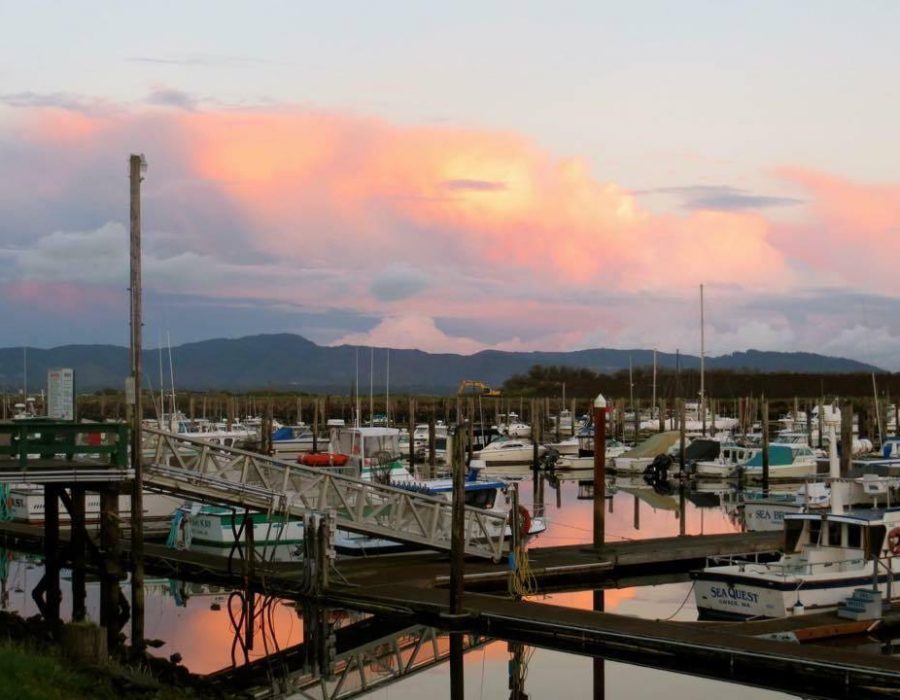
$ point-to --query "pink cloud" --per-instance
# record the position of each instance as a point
(307, 207)
(851, 236)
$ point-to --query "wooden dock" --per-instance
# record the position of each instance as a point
(724, 652)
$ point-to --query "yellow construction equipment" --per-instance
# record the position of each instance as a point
(478, 387)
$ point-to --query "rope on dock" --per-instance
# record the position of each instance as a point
(690, 590)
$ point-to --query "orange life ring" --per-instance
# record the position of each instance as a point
(525, 522)
(893, 541)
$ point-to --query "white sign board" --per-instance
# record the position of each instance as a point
(61, 394)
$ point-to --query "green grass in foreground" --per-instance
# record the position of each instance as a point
(32, 674)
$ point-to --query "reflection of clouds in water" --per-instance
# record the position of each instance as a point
(658, 515)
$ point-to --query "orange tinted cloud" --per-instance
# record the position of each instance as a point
(494, 198)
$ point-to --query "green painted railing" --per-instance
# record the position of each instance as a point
(24, 441)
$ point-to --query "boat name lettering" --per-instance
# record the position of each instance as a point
(734, 594)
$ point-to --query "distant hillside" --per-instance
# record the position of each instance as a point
(291, 362)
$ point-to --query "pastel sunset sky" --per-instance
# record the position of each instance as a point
(456, 177)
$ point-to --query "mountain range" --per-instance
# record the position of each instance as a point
(291, 362)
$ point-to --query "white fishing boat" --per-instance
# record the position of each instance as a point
(786, 461)
(25, 503)
(508, 452)
(827, 559)
(614, 449)
(724, 465)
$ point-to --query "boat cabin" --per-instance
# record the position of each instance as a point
(852, 537)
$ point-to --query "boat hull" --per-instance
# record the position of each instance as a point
(728, 593)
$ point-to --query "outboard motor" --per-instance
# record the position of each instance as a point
(549, 460)
(658, 470)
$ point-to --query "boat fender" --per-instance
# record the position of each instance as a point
(894, 541)
(525, 522)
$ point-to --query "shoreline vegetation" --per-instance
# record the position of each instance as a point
(34, 667)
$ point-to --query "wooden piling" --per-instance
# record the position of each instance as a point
(79, 588)
(765, 446)
(599, 470)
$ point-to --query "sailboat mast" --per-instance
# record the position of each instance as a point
(358, 408)
(877, 410)
(162, 385)
(653, 405)
(171, 374)
(702, 364)
(372, 386)
(387, 389)
(630, 383)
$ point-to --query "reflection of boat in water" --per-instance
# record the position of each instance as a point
(826, 559)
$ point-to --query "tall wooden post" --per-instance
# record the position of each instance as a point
(79, 588)
(137, 165)
(432, 447)
(52, 594)
(599, 470)
(315, 424)
(412, 429)
(765, 445)
(457, 547)
(110, 549)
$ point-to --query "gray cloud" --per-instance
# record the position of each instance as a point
(200, 60)
(722, 198)
(170, 97)
(61, 100)
(398, 282)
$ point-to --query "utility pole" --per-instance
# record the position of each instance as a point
(137, 166)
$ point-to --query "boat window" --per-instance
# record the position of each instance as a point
(815, 531)
(792, 531)
(854, 536)
(834, 534)
(876, 535)
(482, 498)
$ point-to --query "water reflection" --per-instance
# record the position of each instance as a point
(278, 647)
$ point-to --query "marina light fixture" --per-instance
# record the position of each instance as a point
(600, 401)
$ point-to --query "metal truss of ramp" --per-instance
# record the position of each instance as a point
(378, 663)
(197, 469)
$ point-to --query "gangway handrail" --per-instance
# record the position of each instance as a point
(197, 468)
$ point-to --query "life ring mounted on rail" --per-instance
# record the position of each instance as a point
(525, 522)
(893, 541)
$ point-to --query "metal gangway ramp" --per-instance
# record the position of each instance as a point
(199, 470)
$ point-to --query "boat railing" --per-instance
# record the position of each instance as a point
(791, 568)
